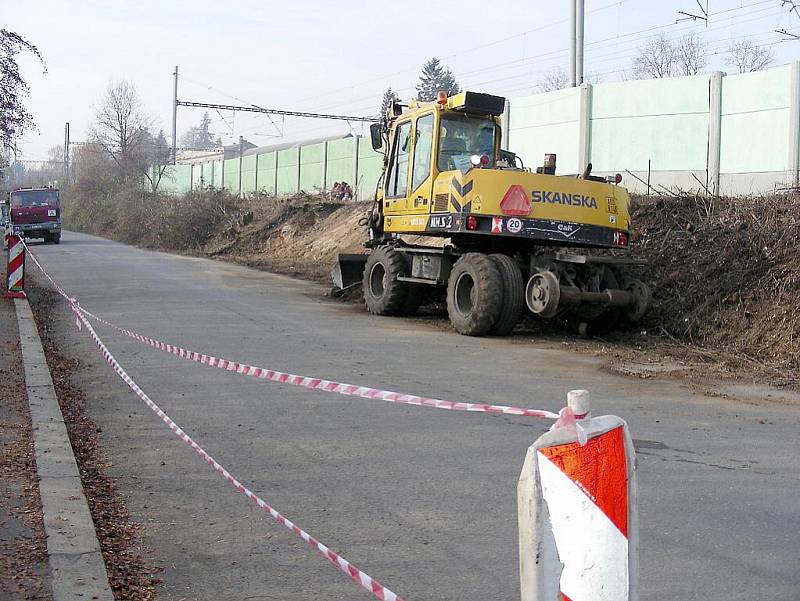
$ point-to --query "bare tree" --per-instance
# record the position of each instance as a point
(661, 57)
(691, 54)
(555, 79)
(656, 59)
(747, 56)
(122, 130)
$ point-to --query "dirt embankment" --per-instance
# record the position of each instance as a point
(724, 272)
(299, 236)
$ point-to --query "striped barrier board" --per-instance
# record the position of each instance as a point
(16, 267)
(577, 511)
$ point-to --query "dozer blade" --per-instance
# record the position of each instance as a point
(348, 270)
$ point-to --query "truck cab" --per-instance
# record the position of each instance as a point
(36, 213)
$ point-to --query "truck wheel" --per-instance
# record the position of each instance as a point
(474, 294)
(56, 238)
(46, 239)
(383, 294)
(513, 294)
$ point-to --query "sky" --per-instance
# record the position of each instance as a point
(335, 57)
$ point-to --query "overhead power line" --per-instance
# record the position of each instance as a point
(257, 109)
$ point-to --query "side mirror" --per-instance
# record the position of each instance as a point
(377, 138)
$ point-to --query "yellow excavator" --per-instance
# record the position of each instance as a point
(515, 235)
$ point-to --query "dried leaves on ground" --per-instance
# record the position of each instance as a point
(23, 546)
(131, 575)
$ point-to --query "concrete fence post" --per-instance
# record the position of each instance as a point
(577, 511)
(324, 166)
(584, 121)
(241, 160)
(794, 125)
(277, 153)
(354, 186)
(506, 131)
(714, 131)
(255, 175)
(298, 156)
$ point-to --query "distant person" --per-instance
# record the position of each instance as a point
(336, 191)
(346, 192)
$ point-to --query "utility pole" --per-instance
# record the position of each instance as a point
(577, 13)
(579, 41)
(175, 116)
(66, 153)
(573, 41)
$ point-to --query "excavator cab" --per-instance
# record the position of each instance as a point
(453, 134)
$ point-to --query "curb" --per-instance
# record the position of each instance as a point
(76, 563)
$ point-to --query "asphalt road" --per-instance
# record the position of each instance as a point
(421, 499)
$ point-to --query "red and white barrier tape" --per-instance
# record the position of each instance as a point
(366, 581)
(359, 577)
(344, 566)
(312, 383)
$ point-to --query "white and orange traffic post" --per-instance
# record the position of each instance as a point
(16, 266)
(578, 530)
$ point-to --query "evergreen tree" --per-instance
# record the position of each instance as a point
(388, 96)
(435, 77)
(199, 137)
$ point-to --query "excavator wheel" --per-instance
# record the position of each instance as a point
(383, 293)
(474, 294)
(513, 294)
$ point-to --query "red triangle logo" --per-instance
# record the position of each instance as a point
(599, 468)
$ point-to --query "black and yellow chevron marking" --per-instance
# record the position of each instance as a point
(459, 192)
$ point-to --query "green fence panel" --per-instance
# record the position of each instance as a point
(664, 121)
(176, 179)
(249, 174)
(340, 162)
(266, 173)
(208, 174)
(287, 171)
(370, 164)
(755, 121)
(216, 175)
(311, 167)
(197, 176)
(231, 175)
(546, 123)
(167, 182)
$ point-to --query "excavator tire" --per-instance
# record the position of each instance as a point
(474, 294)
(383, 293)
(513, 295)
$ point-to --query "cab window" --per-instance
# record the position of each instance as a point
(398, 174)
(423, 143)
(462, 136)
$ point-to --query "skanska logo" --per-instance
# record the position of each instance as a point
(576, 200)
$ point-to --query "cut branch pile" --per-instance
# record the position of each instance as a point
(725, 274)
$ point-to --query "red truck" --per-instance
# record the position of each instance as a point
(35, 213)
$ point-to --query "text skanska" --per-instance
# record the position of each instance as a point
(576, 200)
